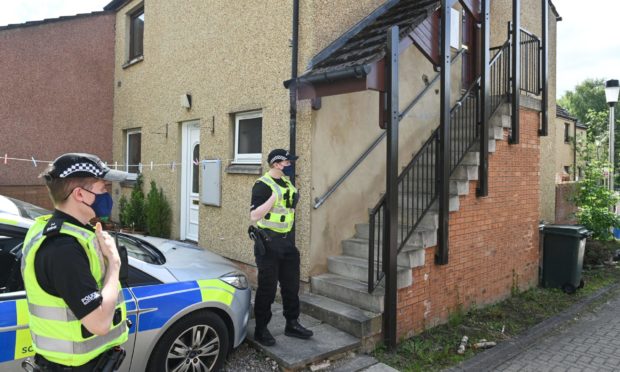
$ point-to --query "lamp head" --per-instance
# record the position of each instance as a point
(612, 88)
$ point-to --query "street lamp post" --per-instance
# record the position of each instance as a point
(612, 88)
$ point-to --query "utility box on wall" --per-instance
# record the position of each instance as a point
(211, 192)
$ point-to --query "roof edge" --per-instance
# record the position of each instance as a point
(355, 72)
(114, 5)
(53, 20)
(558, 17)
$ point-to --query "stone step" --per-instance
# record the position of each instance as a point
(294, 354)
(410, 256)
(476, 146)
(495, 131)
(426, 180)
(357, 268)
(420, 237)
(353, 320)
(500, 121)
(350, 291)
(471, 158)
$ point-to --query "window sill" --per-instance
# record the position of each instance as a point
(133, 62)
(244, 169)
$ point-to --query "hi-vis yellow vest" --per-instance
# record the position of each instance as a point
(280, 218)
(56, 332)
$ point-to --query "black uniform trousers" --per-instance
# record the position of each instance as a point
(280, 263)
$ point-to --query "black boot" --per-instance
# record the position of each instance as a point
(294, 329)
(264, 337)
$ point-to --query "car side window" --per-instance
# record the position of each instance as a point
(138, 278)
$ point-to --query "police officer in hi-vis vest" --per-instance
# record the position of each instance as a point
(71, 270)
(273, 209)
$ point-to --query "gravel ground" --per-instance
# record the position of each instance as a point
(248, 359)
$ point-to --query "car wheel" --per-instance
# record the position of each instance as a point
(197, 342)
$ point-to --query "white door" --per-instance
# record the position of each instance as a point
(190, 203)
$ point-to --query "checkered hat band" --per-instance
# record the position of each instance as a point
(82, 167)
(278, 158)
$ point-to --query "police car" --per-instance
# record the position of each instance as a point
(189, 307)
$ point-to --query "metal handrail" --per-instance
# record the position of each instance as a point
(422, 172)
(320, 200)
(419, 179)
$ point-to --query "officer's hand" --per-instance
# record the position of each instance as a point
(107, 246)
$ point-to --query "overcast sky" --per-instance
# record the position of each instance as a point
(588, 35)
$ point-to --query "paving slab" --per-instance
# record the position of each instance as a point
(292, 353)
(357, 363)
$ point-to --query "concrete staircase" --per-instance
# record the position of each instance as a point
(340, 296)
(339, 310)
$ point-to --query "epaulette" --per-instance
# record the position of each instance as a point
(53, 226)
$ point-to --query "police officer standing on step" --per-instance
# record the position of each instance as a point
(274, 198)
(71, 271)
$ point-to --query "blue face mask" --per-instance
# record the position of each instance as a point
(102, 206)
(288, 170)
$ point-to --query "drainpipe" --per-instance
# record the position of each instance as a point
(293, 87)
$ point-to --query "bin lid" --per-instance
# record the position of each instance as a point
(568, 230)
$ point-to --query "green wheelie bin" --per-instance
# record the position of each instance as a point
(563, 249)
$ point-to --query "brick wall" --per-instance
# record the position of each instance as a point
(493, 240)
(57, 90)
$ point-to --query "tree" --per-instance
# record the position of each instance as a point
(588, 95)
(588, 104)
(593, 198)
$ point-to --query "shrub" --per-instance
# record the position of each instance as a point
(598, 252)
(132, 212)
(158, 212)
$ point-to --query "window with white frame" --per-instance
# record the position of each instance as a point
(248, 137)
(133, 150)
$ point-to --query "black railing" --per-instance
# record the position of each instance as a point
(530, 63)
(500, 76)
(417, 184)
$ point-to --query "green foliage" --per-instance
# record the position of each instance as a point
(132, 212)
(124, 214)
(588, 96)
(598, 252)
(593, 198)
(435, 349)
(158, 212)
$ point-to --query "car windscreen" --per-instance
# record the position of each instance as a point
(141, 250)
(29, 210)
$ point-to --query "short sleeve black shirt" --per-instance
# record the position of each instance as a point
(62, 269)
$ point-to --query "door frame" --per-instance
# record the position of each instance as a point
(186, 165)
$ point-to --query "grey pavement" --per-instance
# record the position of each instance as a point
(582, 338)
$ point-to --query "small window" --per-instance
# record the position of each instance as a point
(248, 137)
(133, 154)
(136, 34)
(195, 168)
(566, 133)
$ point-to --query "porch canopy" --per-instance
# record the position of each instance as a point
(355, 61)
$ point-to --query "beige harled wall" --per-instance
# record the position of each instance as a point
(232, 60)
